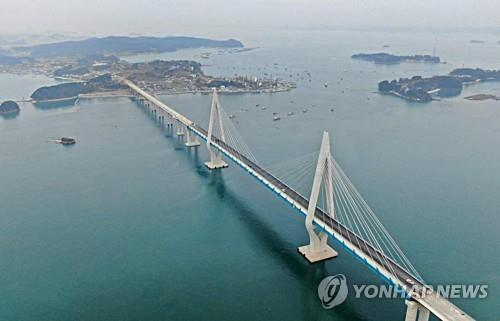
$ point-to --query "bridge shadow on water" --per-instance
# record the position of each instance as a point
(274, 245)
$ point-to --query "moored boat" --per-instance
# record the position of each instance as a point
(67, 141)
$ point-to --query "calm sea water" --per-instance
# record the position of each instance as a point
(128, 224)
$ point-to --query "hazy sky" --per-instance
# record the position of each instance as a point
(197, 16)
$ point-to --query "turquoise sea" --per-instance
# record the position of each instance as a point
(129, 225)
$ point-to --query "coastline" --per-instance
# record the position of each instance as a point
(117, 94)
(409, 99)
(10, 112)
(482, 97)
(125, 94)
(225, 92)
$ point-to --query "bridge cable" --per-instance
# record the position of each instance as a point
(365, 213)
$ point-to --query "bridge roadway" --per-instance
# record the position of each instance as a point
(377, 261)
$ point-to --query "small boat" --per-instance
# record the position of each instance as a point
(291, 113)
(304, 110)
(231, 116)
(326, 85)
(67, 141)
(276, 118)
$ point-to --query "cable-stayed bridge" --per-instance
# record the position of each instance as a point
(334, 207)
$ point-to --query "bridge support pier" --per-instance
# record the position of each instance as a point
(168, 131)
(191, 139)
(411, 310)
(180, 129)
(318, 248)
(423, 314)
(216, 161)
(415, 308)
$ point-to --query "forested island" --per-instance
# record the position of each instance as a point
(419, 89)
(74, 89)
(9, 107)
(390, 59)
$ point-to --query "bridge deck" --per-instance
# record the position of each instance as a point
(379, 262)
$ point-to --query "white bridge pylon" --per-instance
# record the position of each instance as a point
(215, 123)
(318, 248)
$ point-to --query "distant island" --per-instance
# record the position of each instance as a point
(122, 45)
(418, 89)
(383, 58)
(9, 107)
(44, 58)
